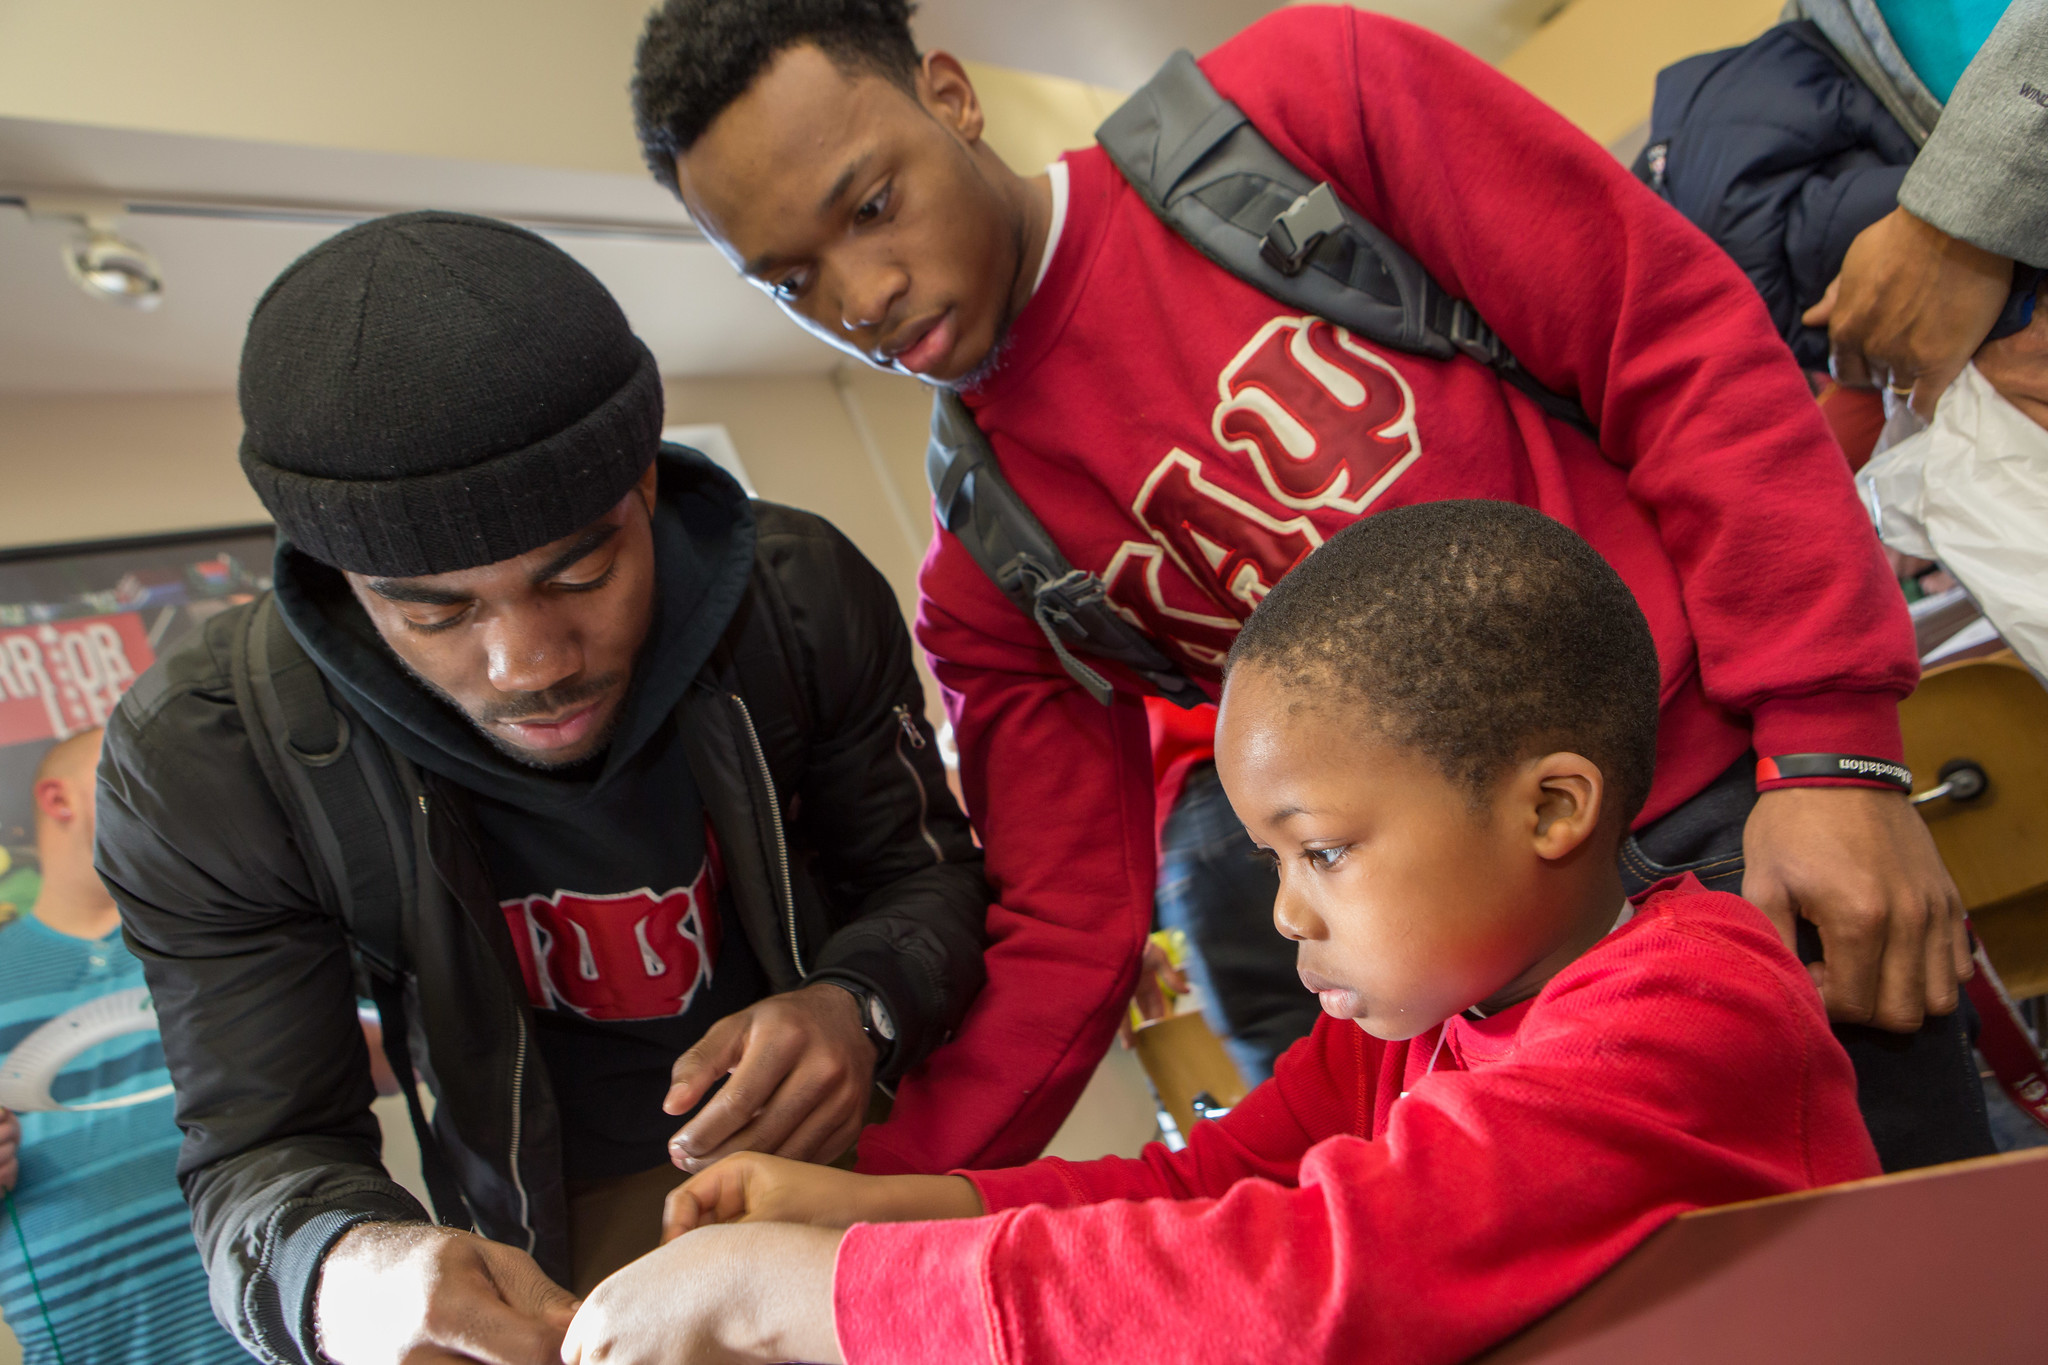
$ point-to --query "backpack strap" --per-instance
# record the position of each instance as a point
(341, 796)
(976, 503)
(1198, 162)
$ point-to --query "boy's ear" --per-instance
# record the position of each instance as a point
(1569, 793)
(947, 93)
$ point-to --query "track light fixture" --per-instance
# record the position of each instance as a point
(109, 266)
(105, 264)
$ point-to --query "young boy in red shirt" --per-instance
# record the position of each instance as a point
(1189, 439)
(1439, 726)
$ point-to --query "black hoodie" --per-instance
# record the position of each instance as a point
(606, 872)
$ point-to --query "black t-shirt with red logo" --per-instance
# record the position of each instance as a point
(605, 872)
(626, 937)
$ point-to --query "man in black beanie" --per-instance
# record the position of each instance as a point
(645, 772)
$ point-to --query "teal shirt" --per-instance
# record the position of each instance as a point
(1940, 37)
(98, 1198)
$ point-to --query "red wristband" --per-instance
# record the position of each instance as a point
(1843, 767)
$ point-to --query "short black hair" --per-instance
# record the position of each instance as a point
(1481, 634)
(697, 56)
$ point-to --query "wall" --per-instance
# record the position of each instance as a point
(538, 82)
(84, 468)
(1596, 62)
(93, 466)
(532, 82)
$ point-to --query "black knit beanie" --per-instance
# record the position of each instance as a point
(432, 391)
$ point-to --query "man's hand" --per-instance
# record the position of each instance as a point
(720, 1296)
(10, 1150)
(1911, 306)
(1860, 864)
(751, 1188)
(409, 1294)
(2017, 366)
(800, 1068)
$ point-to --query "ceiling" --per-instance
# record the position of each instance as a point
(680, 295)
(1118, 43)
(682, 298)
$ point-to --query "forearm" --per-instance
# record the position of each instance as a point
(918, 944)
(1061, 788)
(265, 1221)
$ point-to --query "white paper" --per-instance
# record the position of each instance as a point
(1971, 493)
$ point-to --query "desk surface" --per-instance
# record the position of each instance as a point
(1947, 1264)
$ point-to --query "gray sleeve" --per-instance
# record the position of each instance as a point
(1983, 175)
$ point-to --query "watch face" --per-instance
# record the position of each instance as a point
(878, 1015)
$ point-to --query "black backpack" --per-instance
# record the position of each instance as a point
(1202, 167)
(344, 793)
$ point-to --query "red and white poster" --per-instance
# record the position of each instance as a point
(78, 625)
(62, 677)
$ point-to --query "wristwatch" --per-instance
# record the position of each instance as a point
(875, 1019)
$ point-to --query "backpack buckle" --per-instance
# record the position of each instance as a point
(1064, 598)
(1293, 236)
(1467, 331)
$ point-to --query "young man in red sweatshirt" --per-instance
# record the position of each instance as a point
(1439, 726)
(1189, 439)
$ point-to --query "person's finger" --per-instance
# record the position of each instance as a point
(1939, 985)
(681, 1213)
(1850, 368)
(1768, 894)
(1853, 941)
(716, 1195)
(526, 1289)
(1902, 968)
(769, 1056)
(488, 1331)
(1818, 315)
(813, 1138)
(697, 1070)
(1930, 384)
(1150, 999)
(1959, 942)
(803, 1090)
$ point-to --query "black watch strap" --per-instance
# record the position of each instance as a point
(875, 1019)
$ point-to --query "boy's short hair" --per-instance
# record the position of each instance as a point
(697, 56)
(1480, 633)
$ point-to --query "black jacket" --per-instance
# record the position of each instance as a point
(1781, 155)
(843, 847)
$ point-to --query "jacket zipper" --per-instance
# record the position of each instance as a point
(518, 1128)
(907, 729)
(775, 825)
(518, 1111)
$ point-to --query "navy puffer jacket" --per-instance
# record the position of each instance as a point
(1782, 156)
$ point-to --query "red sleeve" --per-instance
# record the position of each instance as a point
(1605, 291)
(1060, 789)
(1682, 1077)
(1325, 1084)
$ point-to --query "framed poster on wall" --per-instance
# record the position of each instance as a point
(78, 625)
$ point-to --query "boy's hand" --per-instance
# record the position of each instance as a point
(10, 1149)
(1861, 865)
(720, 1296)
(751, 1188)
(411, 1294)
(798, 1066)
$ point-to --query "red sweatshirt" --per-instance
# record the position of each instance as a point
(1189, 439)
(1685, 1061)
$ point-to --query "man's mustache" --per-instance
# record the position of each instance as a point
(518, 706)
